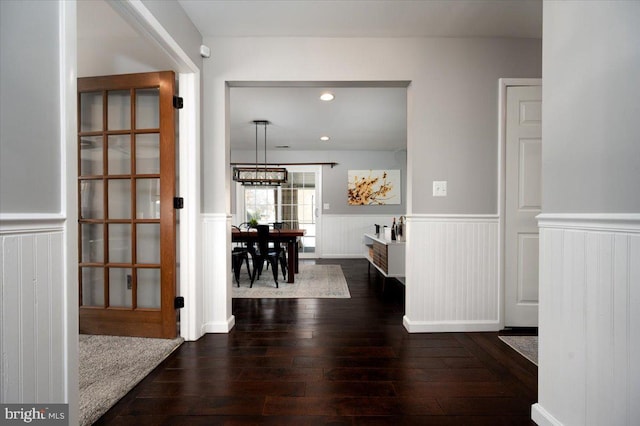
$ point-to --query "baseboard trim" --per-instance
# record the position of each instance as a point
(542, 416)
(449, 326)
(219, 327)
(341, 256)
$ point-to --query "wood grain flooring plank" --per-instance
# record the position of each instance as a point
(334, 362)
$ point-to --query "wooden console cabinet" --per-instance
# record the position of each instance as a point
(385, 255)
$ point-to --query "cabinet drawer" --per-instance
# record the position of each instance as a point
(380, 256)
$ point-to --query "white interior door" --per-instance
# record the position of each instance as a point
(522, 204)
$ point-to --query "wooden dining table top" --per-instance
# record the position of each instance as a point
(273, 233)
(290, 236)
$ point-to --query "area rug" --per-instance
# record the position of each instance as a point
(312, 281)
(527, 346)
(110, 366)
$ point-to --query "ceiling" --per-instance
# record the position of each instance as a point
(107, 44)
(359, 117)
(369, 18)
(372, 118)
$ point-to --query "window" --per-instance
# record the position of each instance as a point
(260, 204)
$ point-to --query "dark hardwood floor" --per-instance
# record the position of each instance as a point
(334, 361)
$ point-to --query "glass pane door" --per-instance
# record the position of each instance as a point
(120, 193)
(121, 211)
(299, 207)
(296, 203)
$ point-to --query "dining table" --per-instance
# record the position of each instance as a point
(287, 236)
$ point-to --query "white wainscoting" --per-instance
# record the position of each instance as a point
(216, 263)
(453, 280)
(342, 235)
(32, 344)
(589, 328)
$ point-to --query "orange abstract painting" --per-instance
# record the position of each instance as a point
(370, 187)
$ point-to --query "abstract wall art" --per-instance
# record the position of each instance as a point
(371, 187)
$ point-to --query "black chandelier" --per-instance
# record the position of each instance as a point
(260, 174)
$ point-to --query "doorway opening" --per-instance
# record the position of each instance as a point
(520, 199)
(130, 41)
(364, 127)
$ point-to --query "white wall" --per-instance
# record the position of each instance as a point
(592, 63)
(452, 111)
(590, 226)
(589, 325)
(38, 218)
(38, 221)
(29, 111)
(32, 338)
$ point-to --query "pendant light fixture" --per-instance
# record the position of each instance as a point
(260, 174)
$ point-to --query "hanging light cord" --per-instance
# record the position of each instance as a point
(265, 148)
(256, 149)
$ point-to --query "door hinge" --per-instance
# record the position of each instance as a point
(178, 202)
(178, 302)
(178, 102)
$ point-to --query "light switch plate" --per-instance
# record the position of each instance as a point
(439, 188)
(326, 206)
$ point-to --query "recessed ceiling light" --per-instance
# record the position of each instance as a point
(324, 138)
(327, 96)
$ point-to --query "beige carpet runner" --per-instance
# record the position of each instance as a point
(527, 346)
(110, 366)
(312, 281)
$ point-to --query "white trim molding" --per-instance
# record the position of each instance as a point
(136, 13)
(452, 281)
(626, 223)
(21, 223)
(542, 417)
(219, 326)
(448, 326)
(140, 18)
(216, 300)
(589, 319)
(189, 226)
(453, 217)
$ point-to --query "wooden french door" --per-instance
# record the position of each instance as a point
(126, 187)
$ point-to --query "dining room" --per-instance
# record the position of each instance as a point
(320, 136)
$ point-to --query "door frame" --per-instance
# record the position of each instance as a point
(318, 212)
(189, 76)
(130, 320)
(503, 85)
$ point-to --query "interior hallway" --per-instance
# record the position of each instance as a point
(334, 361)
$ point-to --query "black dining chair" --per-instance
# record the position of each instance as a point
(265, 253)
(239, 255)
(283, 250)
